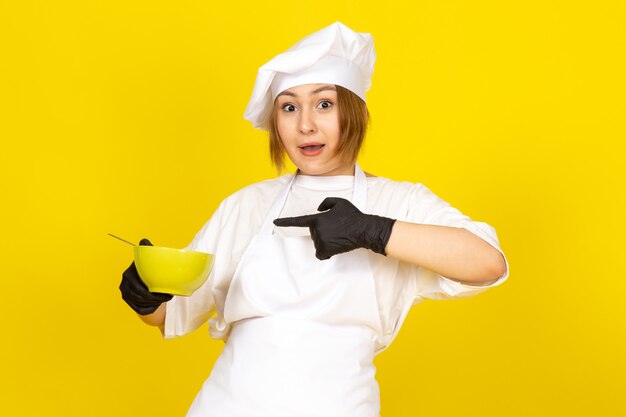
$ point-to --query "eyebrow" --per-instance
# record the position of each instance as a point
(316, 91)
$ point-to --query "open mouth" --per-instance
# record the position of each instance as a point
(311, 147)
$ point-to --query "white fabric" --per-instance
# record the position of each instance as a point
(261, 372)
(399, 285)
(298, 285)
(303, 331)
(333, 55)
(328, 70)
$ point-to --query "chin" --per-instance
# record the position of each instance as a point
(309, 169)
(314, 169)
(305, 170)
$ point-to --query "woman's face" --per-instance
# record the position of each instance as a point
(307, 119)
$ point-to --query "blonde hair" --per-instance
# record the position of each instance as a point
(354, 118)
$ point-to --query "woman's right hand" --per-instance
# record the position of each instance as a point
(136, 293)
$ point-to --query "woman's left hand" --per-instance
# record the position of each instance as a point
(342, 227)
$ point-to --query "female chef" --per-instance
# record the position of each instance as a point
(315, 271)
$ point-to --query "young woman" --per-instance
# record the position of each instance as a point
(315, 272)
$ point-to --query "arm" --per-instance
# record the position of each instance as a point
(453, 252)
(155, 319)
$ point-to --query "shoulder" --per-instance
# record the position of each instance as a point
(242, 210)
(261, 188)
(387, 185)
(256, 194)
(382, 187)
(393, 198)
(404, 199)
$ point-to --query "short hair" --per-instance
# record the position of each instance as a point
(354, 118)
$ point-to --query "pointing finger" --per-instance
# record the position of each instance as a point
(300, 221)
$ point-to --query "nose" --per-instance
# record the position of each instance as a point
(306, 123)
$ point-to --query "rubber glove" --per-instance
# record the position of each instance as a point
(342, 228)
(136, 293)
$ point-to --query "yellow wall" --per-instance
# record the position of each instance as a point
(126, 117)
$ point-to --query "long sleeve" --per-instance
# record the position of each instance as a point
(427, 208)
(185, 314)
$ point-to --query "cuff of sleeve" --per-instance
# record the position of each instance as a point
(168, 331)
(456, 288)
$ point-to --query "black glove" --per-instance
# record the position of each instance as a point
(342, 228)
(135, 292)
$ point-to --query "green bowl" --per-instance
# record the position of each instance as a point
(172, 271)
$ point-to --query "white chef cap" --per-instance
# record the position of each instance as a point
(334, 55)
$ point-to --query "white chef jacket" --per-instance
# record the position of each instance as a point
(399, 285)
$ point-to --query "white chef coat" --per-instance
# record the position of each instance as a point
(399, 285)
(306, 328)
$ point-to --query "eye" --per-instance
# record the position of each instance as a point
(288, 107)
(326, 104)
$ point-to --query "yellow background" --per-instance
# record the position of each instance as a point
(126, 117)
